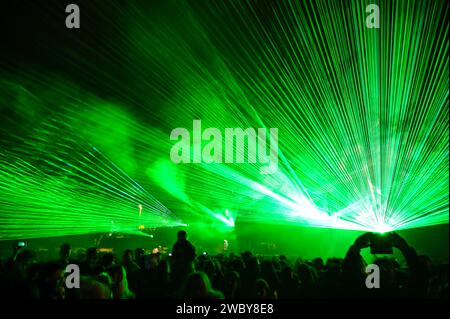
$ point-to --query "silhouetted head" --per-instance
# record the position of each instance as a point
(91, 254)
(64, 251)
(232, 281)
(209, 267)
(262, 289)
(151, 261)
(305, 274)
(182, 235)
(287, 274)
(237, 265)
(253, 266)
(127, 256)
(117, 274)
(139, 253)
(246, 255)
(197, 286)
(318, 263)
(107, 260)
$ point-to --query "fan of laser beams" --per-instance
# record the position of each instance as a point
(54, 185)
(362, 113)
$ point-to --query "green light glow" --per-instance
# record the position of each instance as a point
(362, 116)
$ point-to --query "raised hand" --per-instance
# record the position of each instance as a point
(363, 241)
(398, 241)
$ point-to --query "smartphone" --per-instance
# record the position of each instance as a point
(21, 244)
(381, 244)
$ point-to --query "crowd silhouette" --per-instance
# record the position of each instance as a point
(186, 274)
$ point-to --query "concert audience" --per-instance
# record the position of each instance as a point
(187, 275)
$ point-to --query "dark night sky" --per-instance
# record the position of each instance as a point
(33, 34)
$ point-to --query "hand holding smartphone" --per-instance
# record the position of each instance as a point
(381, 243)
